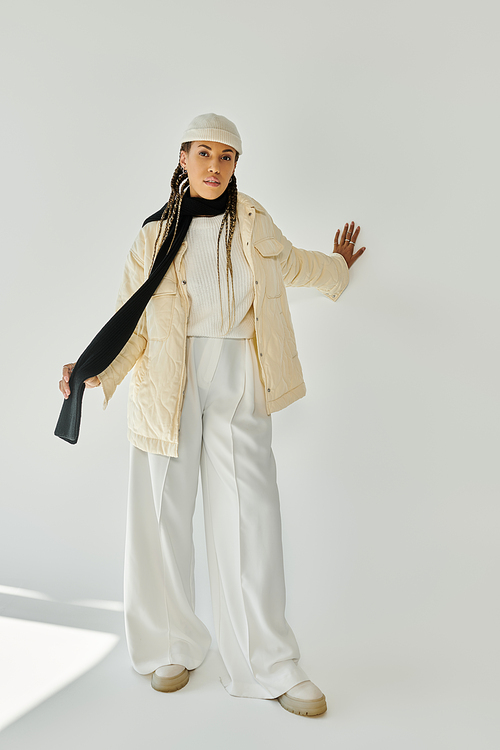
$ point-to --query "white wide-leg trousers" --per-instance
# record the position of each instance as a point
(225, 429)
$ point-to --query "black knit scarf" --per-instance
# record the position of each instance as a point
(111, 339)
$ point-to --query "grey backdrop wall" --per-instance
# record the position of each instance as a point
(380, 112)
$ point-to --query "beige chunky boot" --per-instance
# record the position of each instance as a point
(169, 678)
(304, 699)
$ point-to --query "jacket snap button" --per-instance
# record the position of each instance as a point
(256, 282)
(269, 390)
(256, 318)
(184, 281)
(261, 354)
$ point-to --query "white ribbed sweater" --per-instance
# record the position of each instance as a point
(200, 262)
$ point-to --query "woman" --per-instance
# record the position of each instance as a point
(214, 355)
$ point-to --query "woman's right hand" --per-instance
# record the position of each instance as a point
(349, 237)
(64, 382)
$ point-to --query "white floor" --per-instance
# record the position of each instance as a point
(377, 701)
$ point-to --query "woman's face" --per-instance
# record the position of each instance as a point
(210, 166)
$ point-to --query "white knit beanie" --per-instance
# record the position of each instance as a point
(212, 127)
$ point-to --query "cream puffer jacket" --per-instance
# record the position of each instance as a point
(157, 348)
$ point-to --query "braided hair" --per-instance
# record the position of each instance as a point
(179, 184)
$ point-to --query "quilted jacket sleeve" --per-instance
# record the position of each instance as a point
(133, 277)
(328, 273)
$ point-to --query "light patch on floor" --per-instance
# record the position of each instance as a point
(98, 604)
(93, 603)
(27, 593)
(37, 659)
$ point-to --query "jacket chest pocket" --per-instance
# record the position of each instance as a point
(269, 250)
(160, 310)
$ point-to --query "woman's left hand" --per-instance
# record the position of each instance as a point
(346, 245)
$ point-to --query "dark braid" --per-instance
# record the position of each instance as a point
(172, 209)
(178, 186)
(229, 222)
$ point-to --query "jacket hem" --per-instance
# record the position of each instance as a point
(153, 445)
(288, 398)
